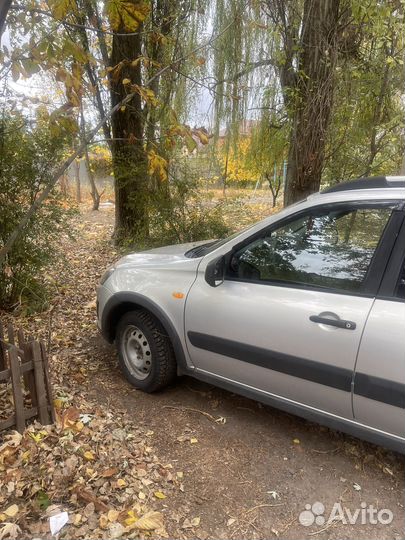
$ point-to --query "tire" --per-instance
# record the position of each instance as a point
(145, 352)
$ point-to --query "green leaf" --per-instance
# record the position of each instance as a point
(72, 49)
(30, 67)
(43, 500)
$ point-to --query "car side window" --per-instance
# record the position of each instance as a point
(324, 248)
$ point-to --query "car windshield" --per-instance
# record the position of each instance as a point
(204, 249)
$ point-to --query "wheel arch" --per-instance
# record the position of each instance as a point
(123, 302)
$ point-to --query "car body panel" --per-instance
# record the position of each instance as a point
(167, 282)
(382, 356)
(281, 325)
(163, 277)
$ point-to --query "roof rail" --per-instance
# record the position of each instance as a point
(372, 182)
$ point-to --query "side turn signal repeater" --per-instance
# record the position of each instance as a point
(178, 295)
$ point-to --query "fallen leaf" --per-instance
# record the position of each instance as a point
(131, 519)
(89, 456)
(9, 530)
(296, 441)
(89, 497)
(159, 495)
(150, 521)
(274, 494)
(193, 440)
(112, 515)
(103, 521)
(108, 473)
(11, 511)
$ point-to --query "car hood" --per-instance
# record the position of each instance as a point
(174, 254)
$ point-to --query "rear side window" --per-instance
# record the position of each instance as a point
(328, 249)
(400, 292)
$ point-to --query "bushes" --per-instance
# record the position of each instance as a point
(27, 159)
(184, 216)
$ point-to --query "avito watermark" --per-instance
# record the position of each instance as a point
(366, 514)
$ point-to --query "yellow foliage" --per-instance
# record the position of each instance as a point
(126, 15)
(157, 165)
(61, 8)
(147, 94)
(234, 163)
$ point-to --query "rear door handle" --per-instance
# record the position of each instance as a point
(338, 323)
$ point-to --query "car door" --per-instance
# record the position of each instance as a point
(288, 317)
(379, 383)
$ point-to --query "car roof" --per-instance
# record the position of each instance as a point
(372, 182)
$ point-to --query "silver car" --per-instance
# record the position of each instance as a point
(304, 311)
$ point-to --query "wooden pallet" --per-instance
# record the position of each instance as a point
(24, 363)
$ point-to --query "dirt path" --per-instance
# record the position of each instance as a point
(247, 475)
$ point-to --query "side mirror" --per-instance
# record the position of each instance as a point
(215, 272)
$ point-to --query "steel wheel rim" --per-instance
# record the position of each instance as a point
(136, 352)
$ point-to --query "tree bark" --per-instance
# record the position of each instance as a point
(128, 154)
(4, 7)
(308, 93)
(93, 187)
(78, 183)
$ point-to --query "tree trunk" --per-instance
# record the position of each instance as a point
(310, 100)
(78, 184)
(93, 187)
(163, 13)
(128, 154)
(5, 6)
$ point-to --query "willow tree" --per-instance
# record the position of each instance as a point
(311, 35)
(367, 136)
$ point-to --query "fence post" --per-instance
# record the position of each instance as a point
(42, 404)
(47, 379)
(3, 364)
(10, 333)
(29, 378)
(17, 393)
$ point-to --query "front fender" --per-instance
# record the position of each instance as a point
(122, 302)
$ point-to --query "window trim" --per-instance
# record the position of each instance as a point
(378, 264)
(394, 268)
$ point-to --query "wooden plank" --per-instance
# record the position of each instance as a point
(3, 358)
(10, 333)
(47, 380)
(17, 392)
(20, 338)
(27, 366)
(10, 421)
(29, 377)
(5, 375)
(42, 405)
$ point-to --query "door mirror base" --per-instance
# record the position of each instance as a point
(215, 272)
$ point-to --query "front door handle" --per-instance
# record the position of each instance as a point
(339, 323)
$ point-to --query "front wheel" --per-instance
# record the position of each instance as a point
(145, 352)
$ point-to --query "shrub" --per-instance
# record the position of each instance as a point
(180, 214)
(27, 159)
